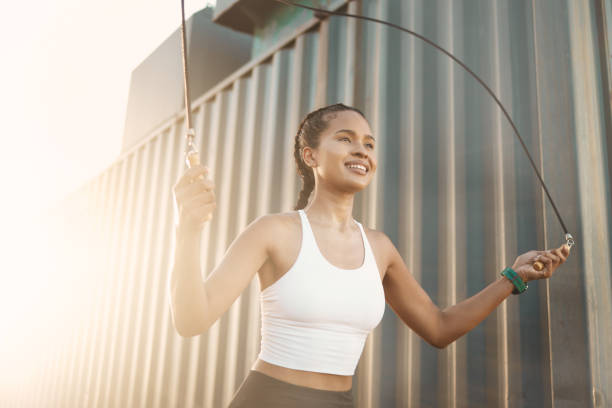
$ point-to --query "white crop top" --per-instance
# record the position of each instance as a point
(317, 316)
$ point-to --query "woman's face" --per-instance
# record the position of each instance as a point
(346, 156)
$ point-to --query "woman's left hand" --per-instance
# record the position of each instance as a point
(551, 259)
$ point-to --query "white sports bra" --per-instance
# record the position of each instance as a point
(316, 317)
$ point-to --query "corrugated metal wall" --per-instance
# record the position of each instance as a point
(454, 191)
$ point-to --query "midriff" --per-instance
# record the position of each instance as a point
(311, 379)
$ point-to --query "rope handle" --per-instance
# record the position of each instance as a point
(569, 240)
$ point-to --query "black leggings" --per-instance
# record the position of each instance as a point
(259, 390)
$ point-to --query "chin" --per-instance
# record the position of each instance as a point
(355, 187)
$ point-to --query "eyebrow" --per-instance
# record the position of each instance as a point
(352, 133)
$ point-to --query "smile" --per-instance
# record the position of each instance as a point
(357, 168)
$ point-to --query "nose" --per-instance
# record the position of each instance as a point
(360, 151)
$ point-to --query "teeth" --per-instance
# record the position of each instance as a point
(356, 166)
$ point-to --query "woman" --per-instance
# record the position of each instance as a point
(324, 277)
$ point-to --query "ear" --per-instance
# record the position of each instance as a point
(309, 156)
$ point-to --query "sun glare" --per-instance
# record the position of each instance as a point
(71, 126)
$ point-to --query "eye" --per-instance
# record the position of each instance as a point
(371, 145)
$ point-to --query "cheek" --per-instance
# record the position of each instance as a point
(374, 163)
(335, 156)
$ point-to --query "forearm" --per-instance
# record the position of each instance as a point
(187, 294)
(467, 314)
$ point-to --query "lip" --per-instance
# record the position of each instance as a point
(364, 164)
(357, 171)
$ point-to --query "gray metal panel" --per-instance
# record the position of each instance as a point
(156, 85)
(454, 192)
(593, 191)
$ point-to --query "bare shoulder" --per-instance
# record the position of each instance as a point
(277, 220)
(382, 246)
(379, 238)
(285, 219)
(278, 227)
(281, 222)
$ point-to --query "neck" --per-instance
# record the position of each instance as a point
(331, 210)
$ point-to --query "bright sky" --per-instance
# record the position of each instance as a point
(64, 81)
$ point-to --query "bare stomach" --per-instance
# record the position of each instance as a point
(320, 381)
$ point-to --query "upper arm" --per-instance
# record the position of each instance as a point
(408, 299)
(246, 254)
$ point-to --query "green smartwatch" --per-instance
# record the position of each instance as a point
(519, 285)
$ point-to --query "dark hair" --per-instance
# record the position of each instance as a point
(308, 135)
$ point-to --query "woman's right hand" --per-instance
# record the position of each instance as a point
(194, 198)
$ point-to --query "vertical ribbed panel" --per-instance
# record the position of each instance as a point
(454, 191)
(589, 125)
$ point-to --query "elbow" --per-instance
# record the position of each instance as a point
(440, 340)
(187, 324)
(446, 335)
(182, 330)
(187, 329)
(437, 341)
(439, 344)
(185, 333)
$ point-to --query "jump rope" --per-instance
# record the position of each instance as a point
(192, 156)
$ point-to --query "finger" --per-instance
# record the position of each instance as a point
(201, 199)
(205, 207)
(191, 175)
(196, 173)
(194, 188)
(185, 180)
(203, 184)
(193, 158)
(560, 254)
(196, 170)
(565, 249)
(539, 256)
(565, 252)
(549, 266)
(557, 260)
(554, 256)
(546, 261)
(194, 205)
(203, 213)
(196, 202)
(186, 193)
(540, 262)
(208, 184)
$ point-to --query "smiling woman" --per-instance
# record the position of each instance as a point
(308, 138)
(324, 277)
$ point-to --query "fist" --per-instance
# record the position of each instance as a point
(194, 198)
(551, 259)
